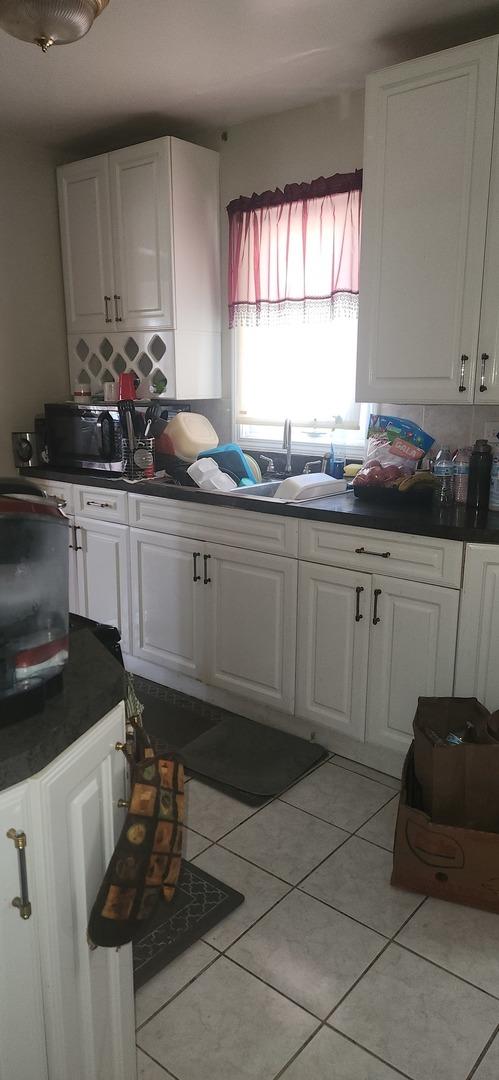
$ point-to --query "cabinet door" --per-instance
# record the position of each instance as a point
(167, 603)
(86, 245)
(88, 994)
(477, 664)
(250, 625)
(103, 574)
(22, 1038)
(142, 241)
(411, 654)
(332, 647)
(427, 153)
(487, 374)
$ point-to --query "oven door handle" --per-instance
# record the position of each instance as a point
(106, 424)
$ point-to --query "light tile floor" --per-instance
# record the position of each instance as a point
(325, 972)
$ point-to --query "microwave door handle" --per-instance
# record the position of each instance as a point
(106, 423)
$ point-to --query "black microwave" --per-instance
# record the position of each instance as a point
(89, 436)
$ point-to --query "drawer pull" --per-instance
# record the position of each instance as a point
(376, 619)
(483, 386)
(195, 556)
(359, 590)
(103, 505)
(379, 554)
(462, 384)
(207, 579)
(22, 902)
(107, 300)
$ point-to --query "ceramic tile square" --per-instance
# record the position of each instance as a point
(149, 1070)
(364, 770)
(308, 951)
(162, 987)
(193, 844)
(211, 812)
(350, 1062)
(343, 798)
(461, 939)
(227, 1025)
(417, 1017)
(356, 880)
(284, 841)
(260, 890)
(488, 1069)
(380, 829)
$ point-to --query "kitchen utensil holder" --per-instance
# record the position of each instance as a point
(130, 469)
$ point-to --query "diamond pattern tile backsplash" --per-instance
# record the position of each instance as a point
(100, 358)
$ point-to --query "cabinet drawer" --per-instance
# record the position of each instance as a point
(62, 492)
(222, 525)
(101, 503)
(403, 555)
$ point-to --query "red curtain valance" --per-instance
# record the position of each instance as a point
(294, 254)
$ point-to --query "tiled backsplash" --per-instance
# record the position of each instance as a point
(454, 425)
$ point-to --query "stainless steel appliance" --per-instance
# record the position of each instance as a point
(90, 436)
(33, 588)
(25, 449)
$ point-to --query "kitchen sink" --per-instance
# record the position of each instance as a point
(266, 490)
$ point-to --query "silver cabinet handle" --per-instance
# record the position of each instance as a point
(379, 554)
(483, 387)
(462, 384)
(117, 300)
(103, 505)
(107, 301)
(376, 618)
(22, 902)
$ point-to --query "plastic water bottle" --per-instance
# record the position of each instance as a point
(461, 461)
(443, 471)
(338, 462)
(494, 481)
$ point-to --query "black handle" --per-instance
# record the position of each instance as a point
(207, 579)
(359, 590)
(107, 300)
(483, 386)
(106, 424)
(379, 554)
(195, 556)
(464, 361)
(78, 546)
(377, 593)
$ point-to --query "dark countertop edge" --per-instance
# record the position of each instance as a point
(454, 523)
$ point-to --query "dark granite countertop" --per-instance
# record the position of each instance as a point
(454, 523)
(92, 684)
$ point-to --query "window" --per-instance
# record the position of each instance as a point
(293, 299)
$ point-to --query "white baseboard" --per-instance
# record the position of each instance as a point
(376, 757)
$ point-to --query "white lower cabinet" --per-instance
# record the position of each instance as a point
(477, 663)
(411, 654)
(65, 1010)
(22, 1037)
(250, 623)
(103, 574)
(332, 647)
(368, 646)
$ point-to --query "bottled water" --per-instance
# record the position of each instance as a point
(443, 471)
(461, 461)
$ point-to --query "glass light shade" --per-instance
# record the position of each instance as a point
(49, 22)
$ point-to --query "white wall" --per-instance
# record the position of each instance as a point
(287, 147)
(33, 362)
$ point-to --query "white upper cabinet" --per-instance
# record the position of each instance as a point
(487, 372)
(86, 244)
(140, 235)
(140, 179)
(427, 157)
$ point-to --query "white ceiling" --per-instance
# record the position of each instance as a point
(149, 66)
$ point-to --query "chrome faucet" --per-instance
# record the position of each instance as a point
(286, 445)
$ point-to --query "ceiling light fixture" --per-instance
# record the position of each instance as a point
(49, 22)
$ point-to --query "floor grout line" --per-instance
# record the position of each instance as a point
(383, 1061)
(156, 1062)
(182, 988)
(434, 963)
(483, 1054)
(373, 779)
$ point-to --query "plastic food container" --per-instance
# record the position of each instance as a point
(190, 434)
(309, 486)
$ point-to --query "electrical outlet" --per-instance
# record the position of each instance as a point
(490, 431)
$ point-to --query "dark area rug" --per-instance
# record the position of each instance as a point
(250, 761)
(200, 902)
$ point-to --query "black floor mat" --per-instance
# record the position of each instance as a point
(200, 902)
(250, 761)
